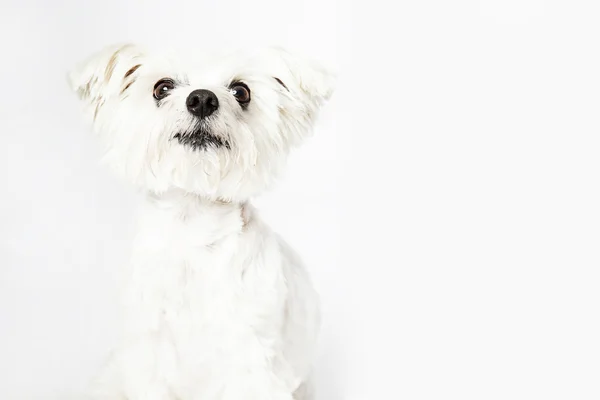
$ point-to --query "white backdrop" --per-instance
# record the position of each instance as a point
(447, 207)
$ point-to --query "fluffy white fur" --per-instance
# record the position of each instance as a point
(216, 305)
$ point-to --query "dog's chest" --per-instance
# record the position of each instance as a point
(180, 278)
(197, 282)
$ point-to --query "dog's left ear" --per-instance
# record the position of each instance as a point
(313, 78)
(94, 76)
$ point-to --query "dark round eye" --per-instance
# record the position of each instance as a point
(162, 88)
(241, 92)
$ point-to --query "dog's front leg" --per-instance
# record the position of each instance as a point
(148, 369)
(261, 384)
(131, 374)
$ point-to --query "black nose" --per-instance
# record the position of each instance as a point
(202, 103)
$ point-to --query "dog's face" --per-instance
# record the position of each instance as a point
(222, 128)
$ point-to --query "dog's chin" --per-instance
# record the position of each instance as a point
(201, 139)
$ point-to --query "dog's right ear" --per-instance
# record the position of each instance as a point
(91, 78)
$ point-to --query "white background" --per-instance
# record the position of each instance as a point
(447, 206)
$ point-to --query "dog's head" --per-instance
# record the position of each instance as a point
(220, 129)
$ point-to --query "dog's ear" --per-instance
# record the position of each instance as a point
(313, 78)
(91, 78)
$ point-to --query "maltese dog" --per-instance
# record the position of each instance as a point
(215, 304)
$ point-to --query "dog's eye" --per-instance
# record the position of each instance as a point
(241, 92)
(162, 88)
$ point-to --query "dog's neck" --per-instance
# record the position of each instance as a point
(178, 224)
(187, 205)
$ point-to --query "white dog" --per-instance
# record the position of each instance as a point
(217, 306)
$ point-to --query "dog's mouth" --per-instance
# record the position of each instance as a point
(201, 138)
